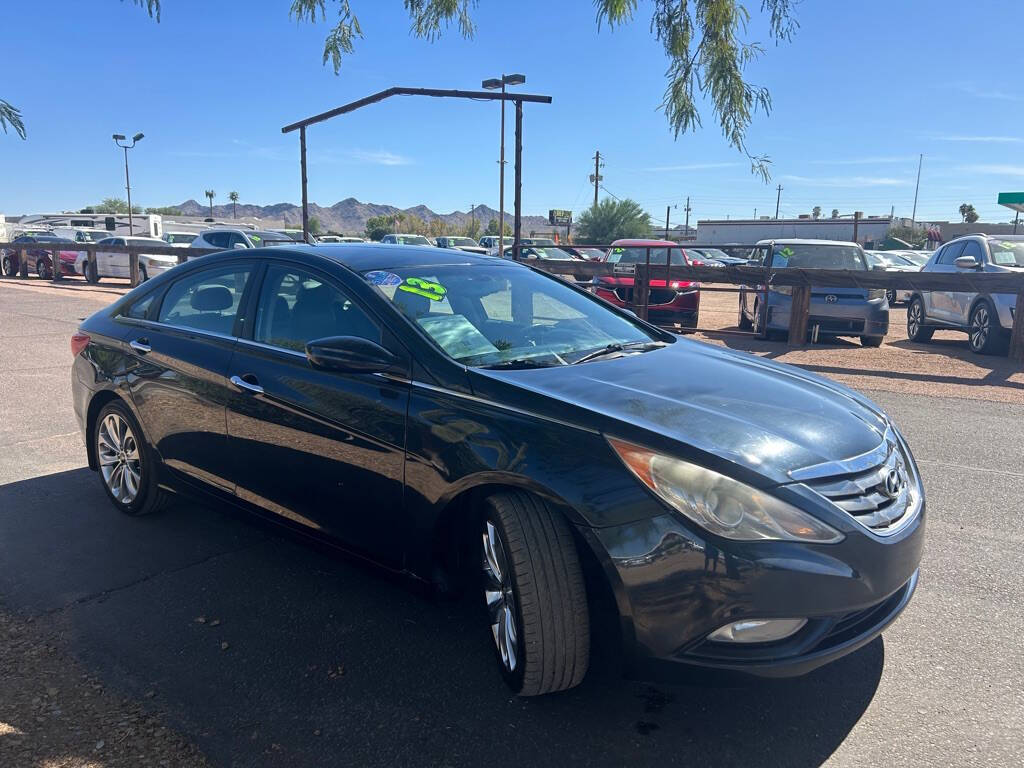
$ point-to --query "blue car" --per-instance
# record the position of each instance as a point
(862, 312)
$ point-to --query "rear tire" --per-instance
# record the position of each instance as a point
(128, 467)
(916, 329)
(871, 341)
(535, 595)
(984, 333)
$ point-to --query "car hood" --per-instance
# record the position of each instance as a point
(767, 417)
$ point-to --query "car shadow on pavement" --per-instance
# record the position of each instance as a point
(266, 651)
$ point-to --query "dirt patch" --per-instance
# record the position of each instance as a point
(945, 367)
(55, 715)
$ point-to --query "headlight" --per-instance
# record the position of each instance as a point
(720, 504)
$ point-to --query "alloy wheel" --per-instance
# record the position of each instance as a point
(500, 597)
(119, 458)
(914, 318)
(981, 324)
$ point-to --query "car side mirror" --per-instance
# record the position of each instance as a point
(966, 262)
(350, 354)
(239, 245)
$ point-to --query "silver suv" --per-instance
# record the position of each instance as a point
(985, 318)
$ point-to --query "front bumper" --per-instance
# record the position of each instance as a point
(844, 317)
(675, 587)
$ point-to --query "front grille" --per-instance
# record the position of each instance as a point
(657, 296)
(835, 324)
(878, 496)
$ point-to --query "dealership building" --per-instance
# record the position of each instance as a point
(869, 231)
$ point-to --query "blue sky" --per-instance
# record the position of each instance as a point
(862, 89)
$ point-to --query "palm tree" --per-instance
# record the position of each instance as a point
(233, 197)
(210, 194)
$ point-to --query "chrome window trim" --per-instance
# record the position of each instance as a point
(157, 325)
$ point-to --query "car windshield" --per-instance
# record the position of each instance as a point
(144, 241)
(503, 315)
(1007, 253)
(461, 241)
(411, 239)
(92, 237)
(266, 238)
(176, 237)
(917, 259)
(638, 255)
(889, 260)
(814, 256)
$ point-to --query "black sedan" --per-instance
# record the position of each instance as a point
(475, 422)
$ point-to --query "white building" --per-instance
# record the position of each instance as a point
(871, 229)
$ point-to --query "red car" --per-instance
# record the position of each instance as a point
(37, 260)
(675, 303)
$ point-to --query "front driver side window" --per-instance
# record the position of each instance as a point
(296, 307)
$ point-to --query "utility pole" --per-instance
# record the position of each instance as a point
(913, 216)
(596, 176)
(686, 228)
(667, 209)
(755, 213)
(778, 199)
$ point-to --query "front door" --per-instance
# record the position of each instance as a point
(180, 355)
(961, 301)
(320, 448)
(941, 302)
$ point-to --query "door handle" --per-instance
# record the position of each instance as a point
(249, 386)
(140, 345)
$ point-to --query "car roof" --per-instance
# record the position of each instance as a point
(628, 241)
(361, 257)
(806, 242)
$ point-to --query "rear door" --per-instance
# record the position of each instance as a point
(321, 448)
(181, 352)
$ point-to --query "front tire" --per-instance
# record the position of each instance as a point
(535, 595)
(127, 465)
(744, 322)
(916, 329)
(42, 270)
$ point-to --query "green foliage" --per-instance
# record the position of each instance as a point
(377, 227)
(835, 213)
(165, 210)
(816, 212)
(438, 228)
(613, 219)
(11, 115)
(492, 228)
(233, 197)
(915, 237)
(472, 229)
(314, 226)
(703, 40)
(114, 205)
(968, 214)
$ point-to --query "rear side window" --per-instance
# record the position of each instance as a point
(207, 301)
(140, 309)
(296, 307)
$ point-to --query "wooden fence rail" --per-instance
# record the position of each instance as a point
(756, 278)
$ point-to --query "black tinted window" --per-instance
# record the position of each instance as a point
(207, 301)
(217, 239)
(140, 308)
(950, 253)
(296, 307)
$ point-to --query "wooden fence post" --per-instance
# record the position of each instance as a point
(640, 291)
(22, 263)
(56, 265)
(799, 312)
(1017, 334)
(91, 267)
(133, 267)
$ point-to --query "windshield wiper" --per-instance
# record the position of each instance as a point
(641, 346)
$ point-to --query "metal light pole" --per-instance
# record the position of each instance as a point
(917, 186)
(493, 84)
(118, 138)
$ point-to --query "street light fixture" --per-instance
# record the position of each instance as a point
(492, 84)
(118, 138)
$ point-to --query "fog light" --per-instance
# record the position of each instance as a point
(757, 630)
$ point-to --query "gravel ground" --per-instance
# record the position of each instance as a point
(53, 714)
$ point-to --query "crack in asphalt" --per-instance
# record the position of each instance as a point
(85, 599)
(954, 465)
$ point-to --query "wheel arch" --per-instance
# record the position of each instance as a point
(96, 404)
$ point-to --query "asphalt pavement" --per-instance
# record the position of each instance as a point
(263, 650)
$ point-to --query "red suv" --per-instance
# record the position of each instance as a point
(674, 303)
